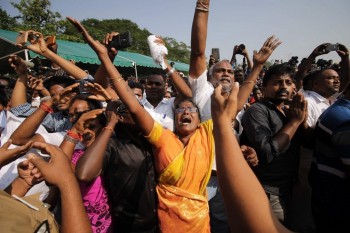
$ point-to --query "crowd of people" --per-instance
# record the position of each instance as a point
(222, 149)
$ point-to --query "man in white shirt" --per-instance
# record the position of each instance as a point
(162, 110)
(325, 86)
(203, 87)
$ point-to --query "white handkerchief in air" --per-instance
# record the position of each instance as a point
(157, 51)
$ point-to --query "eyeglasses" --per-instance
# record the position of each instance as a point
(183, 109)
(222, 70)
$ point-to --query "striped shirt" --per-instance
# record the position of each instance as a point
(328, 178)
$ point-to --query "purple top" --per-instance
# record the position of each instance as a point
(95, 200)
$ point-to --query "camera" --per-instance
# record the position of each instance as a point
(332, 47)
(293, 61)
(120, 41)
(240, 48)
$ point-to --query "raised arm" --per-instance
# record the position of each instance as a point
(199, 39)
(305, 66)
(27, 129)
(38, 45)
(245, 53)
(244, 197)
(90, 165)
(19, 92)
(343, 52)
(139, 114)
(101, 76)
(183, 90)
(259, 59)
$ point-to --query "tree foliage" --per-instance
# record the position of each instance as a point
(6, 21)
(37, 15)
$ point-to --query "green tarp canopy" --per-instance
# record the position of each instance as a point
(80, 52)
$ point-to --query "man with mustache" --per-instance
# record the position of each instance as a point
(269, 127)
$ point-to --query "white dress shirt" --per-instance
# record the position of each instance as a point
(317, 104)
(163, 113)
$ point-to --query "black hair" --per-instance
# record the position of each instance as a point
(93, 104)
(133, 85)
(279, 69)
(3, 97)
(256, 88)
(158, 73)
(307, 80)
(63, 81)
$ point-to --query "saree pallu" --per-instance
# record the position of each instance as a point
(181, 211)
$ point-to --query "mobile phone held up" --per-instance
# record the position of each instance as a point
(332, 47)
(26, 36)
(120, 41)
(216, 54)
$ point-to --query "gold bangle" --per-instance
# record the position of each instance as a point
(109, 128)
(118, 79)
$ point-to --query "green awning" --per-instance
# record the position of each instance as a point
(81, 52)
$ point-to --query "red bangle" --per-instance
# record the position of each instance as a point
(74, 135)
(46, 108)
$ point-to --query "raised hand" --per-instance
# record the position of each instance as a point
(224, 108)
(343, 51)
(94, 44)
(8, 155)
(18, 65)
(58, 170)
(112, 113)
(37, 42)
(35, 83)
(320, 50)
(65, 95)
(29, 173)
(97, 92)
(112, 52)
(83, 122)
(259, 58)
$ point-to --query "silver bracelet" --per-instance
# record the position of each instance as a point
(170, 72)
(70, 139)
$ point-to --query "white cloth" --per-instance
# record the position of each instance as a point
(317, 104)
(9, 172)
(163, 113)
(157, 51)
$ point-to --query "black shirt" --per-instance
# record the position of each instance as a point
(261, 122)
(129, 177)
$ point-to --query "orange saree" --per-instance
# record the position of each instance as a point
(184, 174)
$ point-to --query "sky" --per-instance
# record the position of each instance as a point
(301, 25)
